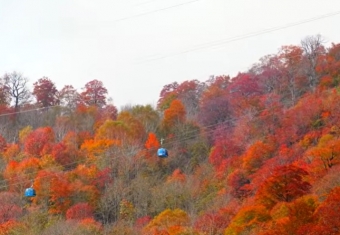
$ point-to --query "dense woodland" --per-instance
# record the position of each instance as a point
(257, 153)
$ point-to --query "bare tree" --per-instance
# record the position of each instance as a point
(17, 88)
(4, 93)
(313, 49)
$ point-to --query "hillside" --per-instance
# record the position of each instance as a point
(257, 153)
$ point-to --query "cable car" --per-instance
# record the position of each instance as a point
(30, 192)
(162, 152)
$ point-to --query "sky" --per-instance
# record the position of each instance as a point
(135, 47)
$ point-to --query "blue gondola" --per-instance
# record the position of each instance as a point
(162, 152)
(30, 192)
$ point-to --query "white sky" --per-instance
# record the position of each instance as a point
(75, 41)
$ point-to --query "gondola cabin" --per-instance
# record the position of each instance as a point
(162, 152)
(30, 192)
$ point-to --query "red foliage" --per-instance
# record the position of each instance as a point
(328, 213)
(79, 211)
(38, 141)
(211, 223)
(238, 182)
(224, 148)
(103, 178)
(64, 155)
(45, 92)
(142, 221)
(9, 208)
(94, 93)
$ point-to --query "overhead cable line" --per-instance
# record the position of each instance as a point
(171, 142)
(61, 106)
(155, 11)
(31, 110)
(241, 37)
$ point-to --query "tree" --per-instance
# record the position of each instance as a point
(147, 115)
(167, 221)
(211, 223)
(64, 155)
(68, 96)
(215, 106)
(4, 93)
(286, 184)
(174, 114)
(18, 89)
(3, 144)
(60, 192)
(45, 92)
(239, 184)
(167, 95)
(94, 93)
(327, 213)
(39, 141)
(9, 207)
(313, 51)
(151, 145)
(79, 211)
(247, 219)
(189, 93)
(292, 82)
(289, 218)
(256, 155)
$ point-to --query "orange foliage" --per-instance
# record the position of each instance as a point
(95, 148)
(177, 176)
(21, 174)
(327, 213)
(60, 193)
(256, 155)
(81, 184)
(174, 114)
(90, 225)
(152, 142)
(6, 227)
(11, 152)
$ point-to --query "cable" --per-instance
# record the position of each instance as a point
(241, 37)
(155, 11)
(30, 110)
(172, 142)
(60, 106)
(146, 2)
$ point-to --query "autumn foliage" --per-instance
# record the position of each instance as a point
(257, 153)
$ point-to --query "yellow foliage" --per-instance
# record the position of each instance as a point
(24, 132)
(47, 162)
(169, 220)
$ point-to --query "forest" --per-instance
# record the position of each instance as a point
(254, 154)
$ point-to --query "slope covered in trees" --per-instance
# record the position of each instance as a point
(257, 153)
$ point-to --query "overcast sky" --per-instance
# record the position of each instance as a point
(135, 47)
